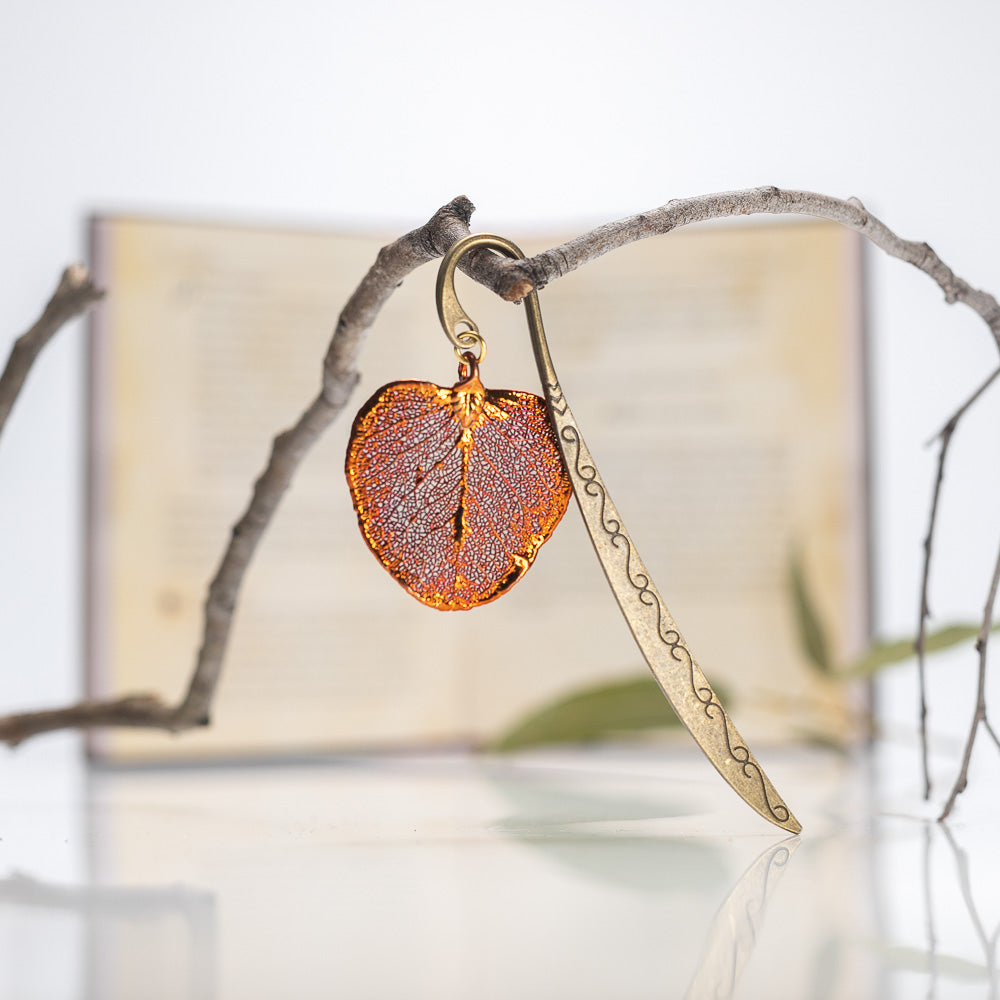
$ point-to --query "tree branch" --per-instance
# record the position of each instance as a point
(74, 295)
(552, 264)
(395, 261)
(944, 436)
(512, 280)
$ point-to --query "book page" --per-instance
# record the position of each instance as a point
(717, 375)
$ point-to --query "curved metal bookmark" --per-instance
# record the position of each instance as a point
(656, 632)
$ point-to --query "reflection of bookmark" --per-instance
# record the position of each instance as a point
(734, 930)
(655, 631)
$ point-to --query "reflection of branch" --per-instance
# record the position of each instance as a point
(512, 280)
(979, 716)
(133, 902)
(104, 910)
(929, 908)
(74, 295)
(944, 436)
(989, 944)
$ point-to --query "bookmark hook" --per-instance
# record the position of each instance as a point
(453, 316)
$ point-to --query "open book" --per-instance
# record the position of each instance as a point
(718, 375)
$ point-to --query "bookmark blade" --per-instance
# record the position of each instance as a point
(673, 665)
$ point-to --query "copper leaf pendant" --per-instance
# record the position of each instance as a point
(455, 489)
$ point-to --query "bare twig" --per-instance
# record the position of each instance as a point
(512, 280)
(979, 716)
(993, 735)
(74, 294)
(944, 436)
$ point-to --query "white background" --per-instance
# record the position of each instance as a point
(547, 115)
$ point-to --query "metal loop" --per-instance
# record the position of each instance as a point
(470, 339)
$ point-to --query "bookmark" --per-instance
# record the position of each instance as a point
(465, 440)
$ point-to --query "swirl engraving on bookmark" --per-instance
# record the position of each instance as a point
(594, 487)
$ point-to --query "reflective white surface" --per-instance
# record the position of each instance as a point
(615, 873)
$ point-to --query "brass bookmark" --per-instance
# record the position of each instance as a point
(671, 661)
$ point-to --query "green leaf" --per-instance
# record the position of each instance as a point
(812, 635)
(593, 713)
(884, 654)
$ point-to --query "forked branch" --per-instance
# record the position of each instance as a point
(449, 224)
(944, 436)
